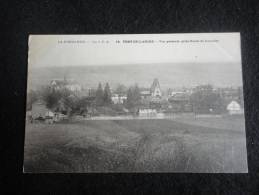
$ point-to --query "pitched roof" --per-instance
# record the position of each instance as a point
(233, 105)
(155, 84)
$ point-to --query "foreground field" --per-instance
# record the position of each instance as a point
(159, 145)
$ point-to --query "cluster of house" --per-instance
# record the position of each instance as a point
(69, 84)
(153, 100)
(152, 94)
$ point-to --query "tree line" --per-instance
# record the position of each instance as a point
(203, 100)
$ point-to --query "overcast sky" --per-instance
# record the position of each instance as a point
(176, 59)
(83, 50)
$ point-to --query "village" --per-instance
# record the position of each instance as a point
(134, 108)
(65, 99)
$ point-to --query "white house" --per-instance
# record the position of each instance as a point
(118, 99)
(147, 112)
(234, 108)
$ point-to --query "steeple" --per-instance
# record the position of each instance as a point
(155, 84)
(155, 88)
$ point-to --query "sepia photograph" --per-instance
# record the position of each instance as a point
(133, 103)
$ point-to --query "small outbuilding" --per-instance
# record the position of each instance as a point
(118, 99)
(234, 108)
(147, 112)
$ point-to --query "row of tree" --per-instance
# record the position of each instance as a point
(103, 96)
(67, 100)
(203, 100)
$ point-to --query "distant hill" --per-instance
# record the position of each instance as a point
(169, 75)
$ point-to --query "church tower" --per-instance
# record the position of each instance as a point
(155, 89)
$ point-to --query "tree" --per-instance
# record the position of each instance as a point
(205, 100)
(99, 95)
(51, 97)
(70, 103)
(107, 95)
(133, 97)
(129, 101)
(136, 95)
(121, 89)
(83, 104)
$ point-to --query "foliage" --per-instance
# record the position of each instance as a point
(107, 95)
(83, 104)
(51, 97)
(99, 95)
(205, 100)
(133, 97)
(121, 89)
(62, 100)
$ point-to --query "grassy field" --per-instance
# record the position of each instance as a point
(159, 145)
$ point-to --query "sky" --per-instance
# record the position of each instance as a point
(195, 58)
